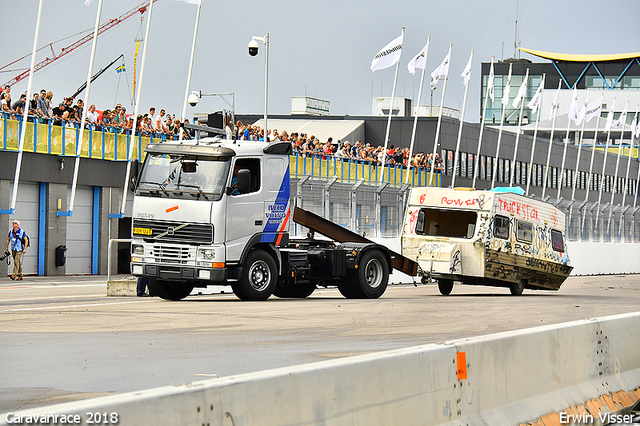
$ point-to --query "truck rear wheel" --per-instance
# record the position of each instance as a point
(517, 288)
(370, 280)
(445, 286)
(259, 277)
(169, 290)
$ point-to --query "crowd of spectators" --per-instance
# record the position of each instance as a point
(306, 146)
(41, 109)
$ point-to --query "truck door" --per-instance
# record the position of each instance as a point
(245, 212)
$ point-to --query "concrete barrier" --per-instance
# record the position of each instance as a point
(598, 258)
(123, 287)
(591, 367)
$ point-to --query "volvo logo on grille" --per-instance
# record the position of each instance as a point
(171, 230)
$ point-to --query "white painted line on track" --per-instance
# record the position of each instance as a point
(76, 306)
(24, 299)
(41, 286)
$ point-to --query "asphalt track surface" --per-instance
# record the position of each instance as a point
(63, 339)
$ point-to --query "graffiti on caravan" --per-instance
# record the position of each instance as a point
(521, 210)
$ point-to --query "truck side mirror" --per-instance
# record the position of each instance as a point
(244, 181)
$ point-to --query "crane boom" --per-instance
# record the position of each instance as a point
(66, 50)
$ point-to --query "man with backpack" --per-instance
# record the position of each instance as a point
(19, 243)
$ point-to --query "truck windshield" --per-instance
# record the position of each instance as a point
(183, 176)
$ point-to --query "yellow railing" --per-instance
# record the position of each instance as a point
(351, 171)
(62, 140)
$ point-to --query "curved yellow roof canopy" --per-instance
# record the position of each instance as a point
(570, 57)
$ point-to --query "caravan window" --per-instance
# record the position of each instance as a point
(446, 223)
(557, 241)
(501, 227)
(524, 232)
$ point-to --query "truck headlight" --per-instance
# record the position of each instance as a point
(207, 254)
(137, 249)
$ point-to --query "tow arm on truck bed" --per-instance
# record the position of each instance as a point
(336, 232)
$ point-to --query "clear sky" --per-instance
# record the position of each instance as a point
(321, 49)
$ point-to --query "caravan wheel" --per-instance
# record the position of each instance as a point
(445, 286)
(518, 288)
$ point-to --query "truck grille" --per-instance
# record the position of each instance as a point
(192, 233)
(171, 254)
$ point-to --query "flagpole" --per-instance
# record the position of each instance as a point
(535, 135)
(575, 173)
(593, 148)
(16, 179)
(435, 141)
(613, 190)
(415, 119)
(135, 114)
(626, 179)
(564, 151)
(553, 127)
(186, 91)
(476, 169)
(386, 136)
(515, 149)
(464, 104)
(604, 161)
(83, 120)
(504, 107)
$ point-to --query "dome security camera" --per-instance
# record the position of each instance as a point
(253, 47)
(193, 99)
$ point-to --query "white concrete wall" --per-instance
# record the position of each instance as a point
(512, 377)
(596, 258)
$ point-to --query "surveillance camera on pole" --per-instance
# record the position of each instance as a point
(193, 98)
(253, 47)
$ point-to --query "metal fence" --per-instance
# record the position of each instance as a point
(378, 211)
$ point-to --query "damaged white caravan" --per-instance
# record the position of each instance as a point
(485, 238)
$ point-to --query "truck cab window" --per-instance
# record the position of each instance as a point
(501, 227)
(251, 164)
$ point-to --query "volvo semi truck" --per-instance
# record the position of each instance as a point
(216, 211)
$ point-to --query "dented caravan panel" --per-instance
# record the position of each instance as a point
(486, 238)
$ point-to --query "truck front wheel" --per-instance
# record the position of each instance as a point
(259, 277)
(169, 290)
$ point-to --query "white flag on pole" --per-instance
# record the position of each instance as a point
(419, 61)
(573, 109)
(622, 120)
(505, 94)
(594, 109)
(521, 92)
(609, 123)
(88, 2)
(388, 55)
(441, 71)
(190, 1)
(534, 103)
(491, 85)
(466, 74)
(555, 103)
(634, 125)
